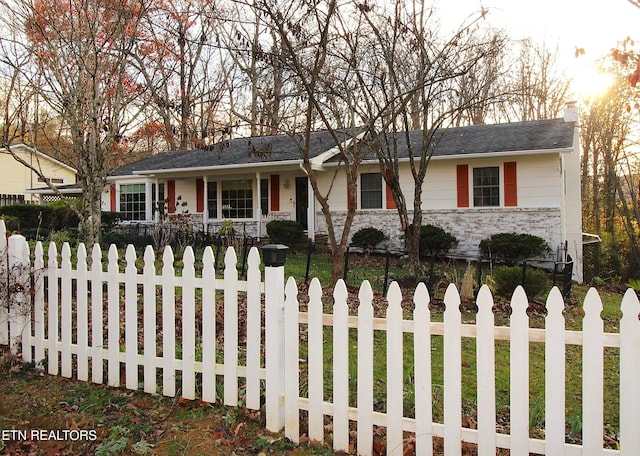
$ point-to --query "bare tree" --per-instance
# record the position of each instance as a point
(421, 70)
(538, 88)
(261, 93)
(176, 55)
(311, 36)
(610, 169)
(78, 66)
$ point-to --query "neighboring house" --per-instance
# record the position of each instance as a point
(17, 179)
(485, 179)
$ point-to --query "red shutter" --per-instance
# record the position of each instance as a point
(462, 177)
(199, 195)
(510, 184)
(391, 202)
(112, 197)
(274, 187)
(171, 196)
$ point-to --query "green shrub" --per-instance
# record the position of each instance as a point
(11, 222)
(367, 238)
(63, 215)
(286, 232)
(30, 215)
(507, 278)
(110, 219)
(514, 246)
(122, 239)
(435, 240)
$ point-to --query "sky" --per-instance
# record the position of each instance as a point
(595, 26)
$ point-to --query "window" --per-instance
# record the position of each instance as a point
(51, 180)
(237, 199)
(486, 186)
(371, 191)
(132, 201)
(264, 196)
(212, 199)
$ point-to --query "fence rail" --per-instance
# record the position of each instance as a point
(10, 200)
(95, 331)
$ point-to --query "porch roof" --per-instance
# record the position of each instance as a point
(260, 150)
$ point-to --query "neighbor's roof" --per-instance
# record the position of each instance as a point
(24, 147)
(532, 136)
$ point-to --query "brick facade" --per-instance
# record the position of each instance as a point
(470, 225)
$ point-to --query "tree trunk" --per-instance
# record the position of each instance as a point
(412, 240)
(91, 213)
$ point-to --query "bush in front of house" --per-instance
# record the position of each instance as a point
(513, 246)
(367, 238)
(63, 216)
(110, 219)
(287, 232)
(30, 216)
(507, 278)
(11, 222)
(435, 240)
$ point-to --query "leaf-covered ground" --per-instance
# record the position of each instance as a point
(124, 422)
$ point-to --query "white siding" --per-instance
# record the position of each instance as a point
(539, 181)
(16, 178)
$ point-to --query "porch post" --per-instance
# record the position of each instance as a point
(258, 212)
(205, 212)
(148, 197)
(311, 212)
(155, 210)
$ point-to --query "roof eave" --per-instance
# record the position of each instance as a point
(43, 155)
(155, 172)
(562, 150)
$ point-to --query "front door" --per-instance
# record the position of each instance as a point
(302, 201)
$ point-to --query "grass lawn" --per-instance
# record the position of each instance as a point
(373, 269)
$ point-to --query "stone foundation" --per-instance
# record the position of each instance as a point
(469, 225)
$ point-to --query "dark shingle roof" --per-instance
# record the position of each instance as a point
(540, 135)
(240, 151)
(507, 137)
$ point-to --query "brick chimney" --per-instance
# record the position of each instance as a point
(571, 112)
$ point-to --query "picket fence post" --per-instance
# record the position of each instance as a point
(254, 329)
(315, 361)
(19, 309)
(230, 348)
(4, 301)
(38, 304)
(274, 341)
(422, 370)
(52, 306)
(452, 372)
(208, 326)
(365, 368)
(629, 375)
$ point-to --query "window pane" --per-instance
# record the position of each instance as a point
(486, 186)
(212, 199)
(237, 199)
(371, 191)
(133, 201)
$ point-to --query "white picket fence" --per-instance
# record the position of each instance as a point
(84, 321)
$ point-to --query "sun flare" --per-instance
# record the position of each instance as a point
(591, 83)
